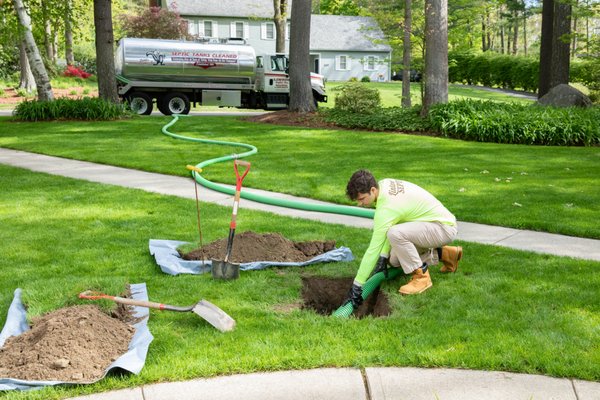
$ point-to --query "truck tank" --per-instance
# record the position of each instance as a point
(161, 60)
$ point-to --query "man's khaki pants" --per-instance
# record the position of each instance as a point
(414, 243)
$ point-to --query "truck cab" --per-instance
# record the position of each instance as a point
(272, 79)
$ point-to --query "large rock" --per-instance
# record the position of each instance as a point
(565, 96)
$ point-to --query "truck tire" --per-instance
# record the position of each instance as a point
(175, 103)
(140, 103)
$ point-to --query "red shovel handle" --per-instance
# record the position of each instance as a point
(240, 178)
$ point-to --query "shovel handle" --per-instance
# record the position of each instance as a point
(240, 177)
(90, 295)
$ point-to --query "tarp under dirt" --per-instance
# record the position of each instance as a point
(251, 250)
(132, 360)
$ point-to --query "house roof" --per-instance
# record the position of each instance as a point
(327, 32)
(348, 33)
(224, 8)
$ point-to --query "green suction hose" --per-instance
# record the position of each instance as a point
(373, 283)
(328, 208)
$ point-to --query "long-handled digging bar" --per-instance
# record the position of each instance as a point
(205, 309)
(225, 269)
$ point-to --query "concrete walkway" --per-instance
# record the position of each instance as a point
(367, 384)
(335, 383)
(539, 242)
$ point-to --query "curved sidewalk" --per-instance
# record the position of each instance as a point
(540, 242)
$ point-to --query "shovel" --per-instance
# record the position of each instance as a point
(205, 309)
(224, 269)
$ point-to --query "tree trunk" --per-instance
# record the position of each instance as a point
(483, 29)
(525, 34)
(69, 35)
(406, 54)
(301, 97)
(546, 47)
(105, 62)
(515, 33)
(436, 54)
(280, 21)
(27, 80)
(47, 31)
(42, 82)
(554, 49)
(561, 44)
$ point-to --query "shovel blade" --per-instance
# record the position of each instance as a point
(225, 270)
(214, 315)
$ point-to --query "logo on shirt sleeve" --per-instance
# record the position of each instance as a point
(396, 187)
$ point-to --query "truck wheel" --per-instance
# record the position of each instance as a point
(140, 103)
(160, 104)
(175, 103)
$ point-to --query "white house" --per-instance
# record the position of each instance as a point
(341, 47)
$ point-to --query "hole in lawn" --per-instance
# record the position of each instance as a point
(325, 295)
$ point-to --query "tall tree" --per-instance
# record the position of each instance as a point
(68, 16)
(42, 81)
(406, 55)
(27, 81)
(105, 62)
(279, 19)
(436, 54)
(555, 44)
(301, 97)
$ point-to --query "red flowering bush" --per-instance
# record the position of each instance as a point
(75, 72)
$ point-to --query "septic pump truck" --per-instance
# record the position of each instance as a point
(174, 74)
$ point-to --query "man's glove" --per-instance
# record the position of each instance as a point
(381, 266)
(355, 296)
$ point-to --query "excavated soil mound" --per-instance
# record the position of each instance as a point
(284, 117)
(250, 246)
(73, 344)
(325, 295)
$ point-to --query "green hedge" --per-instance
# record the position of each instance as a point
(487, 121)
(382, 119)
(513, 72)
(86, 108)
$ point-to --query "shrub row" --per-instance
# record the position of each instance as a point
(86, 108)
(381, 119)
(487, 121)
(491, 69)
(513, 72)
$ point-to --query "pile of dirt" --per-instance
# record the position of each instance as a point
(250, 246)
(73, 344)
(325, 295)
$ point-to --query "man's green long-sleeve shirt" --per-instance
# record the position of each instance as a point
(399, 202)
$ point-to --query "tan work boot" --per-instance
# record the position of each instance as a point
(451, 255)
(420, 282)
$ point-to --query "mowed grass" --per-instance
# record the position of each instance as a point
(503, 310)
(552, 189)
(391, 94)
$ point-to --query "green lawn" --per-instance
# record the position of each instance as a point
(391, 94)
(553, 189)
(503, 310)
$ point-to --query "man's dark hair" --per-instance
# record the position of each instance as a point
(361, 182)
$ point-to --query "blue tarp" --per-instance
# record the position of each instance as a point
(167, 257)
(132, 361)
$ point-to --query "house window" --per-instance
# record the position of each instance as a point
(208, 28)
(192, 27)
(342, 63)
(239, 29)
(370, 63)
(267, 31)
